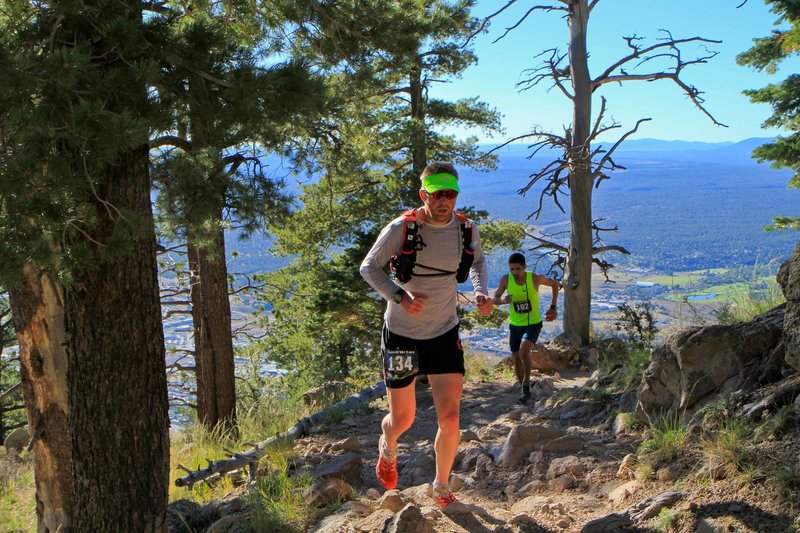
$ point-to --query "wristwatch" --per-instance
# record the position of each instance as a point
(553, 307)
(398, 296)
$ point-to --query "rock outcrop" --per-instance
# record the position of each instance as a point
(557, 355)
(697, 364)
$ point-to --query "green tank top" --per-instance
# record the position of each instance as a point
(524, 307)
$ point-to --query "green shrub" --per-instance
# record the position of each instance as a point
(637, 323)
(728, 447)
(276, 499)
(480, 365)
(667, 519)
(749, 301)
(669, 438)
(786, 480)
(17, 494)
(776, 425)
(717, 414)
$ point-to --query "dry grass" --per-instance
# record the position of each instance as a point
(17, 493)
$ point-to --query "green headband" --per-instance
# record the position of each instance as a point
(438, 182)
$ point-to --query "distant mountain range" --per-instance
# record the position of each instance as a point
(679, 205)
(744, 147)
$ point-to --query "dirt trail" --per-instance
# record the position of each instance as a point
(527, 497)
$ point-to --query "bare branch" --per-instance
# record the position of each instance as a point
(485, 22)
(669, 48)
(517, 138)
(527, 13)
(607, 157)
(544, 243)
(611, 248)
(173, 312)
(639, 52)
(550, 69)
(170, 140)
(12, 390)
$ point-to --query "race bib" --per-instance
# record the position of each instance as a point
(399, 364)
(522, 307)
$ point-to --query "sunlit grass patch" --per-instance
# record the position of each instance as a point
(668, 518)
(276, 499)
(727, 448)
(481, 366)
(669, 438)
(776, 425)
(17, 495)
(748, 300)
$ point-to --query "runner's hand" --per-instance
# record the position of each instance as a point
(413, 304)
(485, 304)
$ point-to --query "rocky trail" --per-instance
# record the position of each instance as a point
(543, 466)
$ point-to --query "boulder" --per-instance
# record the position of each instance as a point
(326, 491)
(408, 520)
(524, 439)
(570, 464)
(17, 440)
(556, 355)
(392, 500)
(789, 280)
(347, 467)
(350, 444)
(697, 364)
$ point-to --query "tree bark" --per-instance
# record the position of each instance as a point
(38, 310)
(117, 384)
(419, 155)
(211, 313)
(578, 272)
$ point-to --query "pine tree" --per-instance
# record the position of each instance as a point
(78, 248)
(383, 58)
(765, 56)
(226, 112)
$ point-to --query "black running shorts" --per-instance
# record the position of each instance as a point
(517, 333)
(439, 355)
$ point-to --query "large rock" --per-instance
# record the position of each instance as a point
(697, 363)
(17, 440)
(556, 355)
(408, 520)
(346, 467)
(789, 280)
(524, 439)
(327, 491)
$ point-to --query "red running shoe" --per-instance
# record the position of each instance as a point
(386, 470)
(444, 499)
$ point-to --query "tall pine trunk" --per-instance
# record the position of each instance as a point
(578, 272)
(419, 149)
(211, 313)
(38, 311)
(117, 385)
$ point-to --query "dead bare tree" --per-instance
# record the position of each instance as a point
(582, 168)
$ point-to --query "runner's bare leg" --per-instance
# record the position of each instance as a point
(446, 390)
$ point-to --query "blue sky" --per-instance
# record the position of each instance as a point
(501, 65)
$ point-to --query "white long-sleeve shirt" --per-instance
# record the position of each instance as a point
(442, 250)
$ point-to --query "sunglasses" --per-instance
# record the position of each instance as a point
(447, 194)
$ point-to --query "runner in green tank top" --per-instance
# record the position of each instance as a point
(525, 321)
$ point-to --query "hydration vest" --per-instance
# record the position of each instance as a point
(402, 263)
